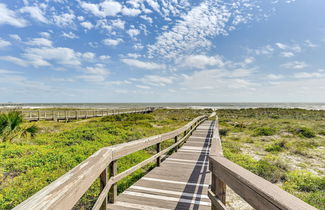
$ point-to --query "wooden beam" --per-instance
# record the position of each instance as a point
(258, 192)
(112, 194)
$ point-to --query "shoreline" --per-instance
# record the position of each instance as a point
(214, 106)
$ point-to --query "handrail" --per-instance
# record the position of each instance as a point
(258, 192)
(65, 192)
(55, 115)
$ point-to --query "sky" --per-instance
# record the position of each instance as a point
(162, 51)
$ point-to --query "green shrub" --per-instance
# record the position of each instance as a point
(264, 131)
(305, 132)
(269, 171)
(276, 146)
(223, 132)
(321, 133)
(303, 180)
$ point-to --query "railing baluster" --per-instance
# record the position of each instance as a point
(158, 150)
(112, 194)
(103, 182)
(176, 139)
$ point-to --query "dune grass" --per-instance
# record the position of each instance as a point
(284, 146)
(29, 164)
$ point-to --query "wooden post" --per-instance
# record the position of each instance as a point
(112, 194)
(158, 150)
(86, 114)
(103, 182)
(53, 116)
(39, 115)
(66, 116)
(218, 187)
(77, 116)
(176, 139)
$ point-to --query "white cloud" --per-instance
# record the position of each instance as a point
(295, 65)
(133, 55)
(133, 32)
(5, 71)
(192, 32)
(45, 34)
(266, 50)
(308, 43)
(287, 54)
(130, 11)
(10, 17)
(142, 64)
(80, 18)
(218, 80)
(4, 43)
(281, 46)
(275, 76)
(293, 48)
(143, 86)
(104, 57)
(64, 20)
(70, 35)
(201, 61)
(303, 75)
(97, 73)
(118, 23)
(103, 9)
(61, 55)
(112, 42)
(14, 60)
(35, 12)
(15, 37)
(88, 55)
(88, 25)
(155, 80)
(98, 69)
(40, 42)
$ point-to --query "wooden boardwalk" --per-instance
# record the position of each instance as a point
(195, 177)
(181, 181)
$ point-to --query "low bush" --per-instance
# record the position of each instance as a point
(264, 131)
(303, 180)
(223, 132)
(277, 146)
(305, 132)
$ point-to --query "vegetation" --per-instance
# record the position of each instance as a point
(10, 126)
(284, 146)
(29, 164)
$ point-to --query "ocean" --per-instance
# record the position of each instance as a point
(309, 106)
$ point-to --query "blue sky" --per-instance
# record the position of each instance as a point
(162, 51)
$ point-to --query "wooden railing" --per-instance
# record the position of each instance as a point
(255, 190)
(66, 115)
(66, 191)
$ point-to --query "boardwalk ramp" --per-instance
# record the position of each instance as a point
(181, 182)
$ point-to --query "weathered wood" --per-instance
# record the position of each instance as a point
(218, 187)
(103, 182)
(181, 182)
(176, 139)
(122, 150)
(216, 203)
(103, 196)
(112, 194)
(67, 190)
(258, 192)
(158, 148)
